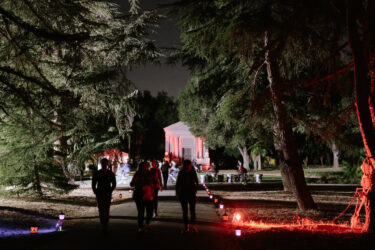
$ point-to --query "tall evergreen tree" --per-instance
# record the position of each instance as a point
(66, 63)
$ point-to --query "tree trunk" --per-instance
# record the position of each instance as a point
(245, 157)
(292, 161)
(363, 52)
(280, 159)
(306, 161)
(37, 185)
(59, 155)
(335, 154)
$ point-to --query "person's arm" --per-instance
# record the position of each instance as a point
(178, 184)
(113, 182)
(160, 180)
(94, 182)
(132, 182)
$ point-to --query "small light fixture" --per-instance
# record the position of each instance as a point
(61, 216)
(221, 206)
(225, 217)
(120, 195)
(211, 196)
(34, 230)
(238, 232)
(130, 190)
(216, 200)
(207, 190)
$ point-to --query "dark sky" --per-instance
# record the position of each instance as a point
(171, 79)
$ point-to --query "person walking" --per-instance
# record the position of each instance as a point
(103, 184)
(165, 171)
(143, 195)
(186, 190)
(156, 173)
(242, 173)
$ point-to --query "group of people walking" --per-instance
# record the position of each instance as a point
(146, 182)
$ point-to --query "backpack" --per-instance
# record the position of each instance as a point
(148, 193)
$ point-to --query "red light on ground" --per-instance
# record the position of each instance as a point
(225, 217)
(33, 230)
(237, 217)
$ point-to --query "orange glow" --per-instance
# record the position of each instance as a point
(237, 217)
(33, 230)
(322, 227)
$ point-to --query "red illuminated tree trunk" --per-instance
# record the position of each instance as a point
(293, 166)
(363, 52)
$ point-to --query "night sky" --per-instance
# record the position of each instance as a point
(171, 79)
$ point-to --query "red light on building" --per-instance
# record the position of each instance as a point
(216, 200)
(120, 195)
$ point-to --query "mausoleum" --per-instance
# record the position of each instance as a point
(181, 144)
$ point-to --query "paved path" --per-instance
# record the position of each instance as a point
(166, 230)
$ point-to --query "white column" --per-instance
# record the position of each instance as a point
(179, 148)
(175, 146)
(166, 144)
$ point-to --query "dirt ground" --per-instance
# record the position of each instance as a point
(266, 222)
(273, 206)
(26, 211)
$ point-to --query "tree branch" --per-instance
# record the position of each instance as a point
(54, 35)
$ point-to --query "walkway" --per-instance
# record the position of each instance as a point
(166, 230)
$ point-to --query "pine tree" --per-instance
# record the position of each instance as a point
(66, 63)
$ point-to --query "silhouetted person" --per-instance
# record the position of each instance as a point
(143, 183)
(215, 168)
(186, 189)
(158, 185)
(165, 171)
(103, 184)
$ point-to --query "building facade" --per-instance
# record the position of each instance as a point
(181, 144)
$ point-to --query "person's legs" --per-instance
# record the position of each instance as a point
(165, 179)
(192, 209)
(104, 202)
(149, 209)
(184, 205)
(141, 212)
(155, 202)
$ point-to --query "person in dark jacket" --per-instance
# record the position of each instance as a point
(165, 172)
(143, 195)
(186, 190)
(103, 184)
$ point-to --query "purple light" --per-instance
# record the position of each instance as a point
(61, 216)
(221, 206)
(238, 232)
(211, 196)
